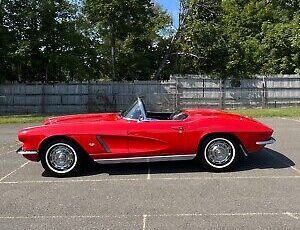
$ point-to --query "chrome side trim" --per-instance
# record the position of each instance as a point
(243, 150)
(103, 144)
(20, 151)
(146, 159)
(268, 142)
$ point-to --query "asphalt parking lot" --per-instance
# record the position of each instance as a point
(263, 192)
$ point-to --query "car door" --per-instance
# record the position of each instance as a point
(151, 138)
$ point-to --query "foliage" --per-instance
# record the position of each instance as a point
(240, 38)
(60, 40)
(46, 42)
(203, 38)
(262, 35)
(131, 35)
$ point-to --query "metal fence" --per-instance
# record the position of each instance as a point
(178, 92)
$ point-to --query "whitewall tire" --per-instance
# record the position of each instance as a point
(61, 158)
(218, 153)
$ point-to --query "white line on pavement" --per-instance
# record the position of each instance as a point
(149, 173)
(10, 145)
(13, 171)
(144, 221)
(10, 151)
(289, 119)
(293, 215)
(143, 179)
(283, 162)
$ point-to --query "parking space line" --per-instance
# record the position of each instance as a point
(143, 179)
(144, 221)
(283, 162)
(3, 178)
(10, 144)
(289, 119)
(70, 217)
(10, 150)
(293, 215)
(297, 170)
(149, 173)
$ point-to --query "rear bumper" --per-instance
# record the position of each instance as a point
(30, 155)
(267, 142)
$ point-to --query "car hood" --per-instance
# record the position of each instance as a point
(93, 117)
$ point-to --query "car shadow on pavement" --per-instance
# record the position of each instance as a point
(265, 159)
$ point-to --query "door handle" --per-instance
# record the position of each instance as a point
(179, 129)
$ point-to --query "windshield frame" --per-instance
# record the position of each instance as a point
(137, 104)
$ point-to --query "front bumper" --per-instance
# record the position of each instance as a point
(267, 142)
(20, 151)
(29, 155)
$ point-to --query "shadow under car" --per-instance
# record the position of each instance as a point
(265, 159)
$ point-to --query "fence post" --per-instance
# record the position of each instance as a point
(264, 94)
(203, 87)
(222, 94)
(43, 110)
(177, 97)
(89, 101)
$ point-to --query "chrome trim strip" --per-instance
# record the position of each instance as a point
(20, 151)
(103, 144)
(268, 142)
(243, 150)
(146, 159)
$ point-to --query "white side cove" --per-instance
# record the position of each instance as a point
(147, 159)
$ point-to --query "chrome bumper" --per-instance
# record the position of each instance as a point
(268, 142)
(20, 151)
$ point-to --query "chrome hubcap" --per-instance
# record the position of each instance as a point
(219, 152)
(61, 157)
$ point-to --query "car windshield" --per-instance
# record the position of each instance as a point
(133, 112)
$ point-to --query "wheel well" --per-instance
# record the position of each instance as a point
(237, 141)
(60, 137)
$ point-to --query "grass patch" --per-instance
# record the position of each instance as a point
(20, 119)
(273, 112)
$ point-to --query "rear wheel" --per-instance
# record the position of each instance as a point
(61, 158)
(218, 153)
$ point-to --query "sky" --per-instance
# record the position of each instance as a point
(172, 6)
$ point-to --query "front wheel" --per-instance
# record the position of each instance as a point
(61, 158)
(218, 153)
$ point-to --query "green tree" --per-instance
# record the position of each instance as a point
(48, 43)
(131, 34)
(262, 36)
(5, 40)
(202, 38)
(238, 38)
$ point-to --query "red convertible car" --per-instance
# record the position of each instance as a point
(216, 138)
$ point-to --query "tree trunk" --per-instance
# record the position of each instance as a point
(113, 56)
(182, 19)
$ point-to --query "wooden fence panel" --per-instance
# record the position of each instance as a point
(179, 92)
